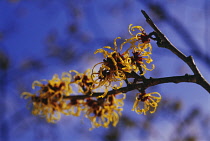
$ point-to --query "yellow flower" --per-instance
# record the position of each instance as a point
(74, 107)
(141, 36)
(149, 102)
(104, 111)
(139, 41)
(45, 107)
(48, 101)
(141, 49)
(139, 60)
(84, 81)
(54, 86)
(112, 68)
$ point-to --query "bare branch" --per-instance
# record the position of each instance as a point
(163, 41)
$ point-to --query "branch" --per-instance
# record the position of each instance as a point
(162, 41)
(147, 83)
(179, 28)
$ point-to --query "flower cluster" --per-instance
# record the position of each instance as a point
(60, 95)
(48, 100)
(117, 63)
(53, 98)
(104, 111)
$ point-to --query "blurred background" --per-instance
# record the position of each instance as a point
(39, 38)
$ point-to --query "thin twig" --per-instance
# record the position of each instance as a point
(147, 83)
(164, 42)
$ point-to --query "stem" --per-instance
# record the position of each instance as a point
(147, 83)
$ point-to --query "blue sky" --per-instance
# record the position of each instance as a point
(25, 26)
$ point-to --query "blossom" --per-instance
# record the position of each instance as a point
(141, 36)
(74, 107)
(149, 102)
(141, 49)
(48, 101)
(104, 111)
(139, 41)
(83, 80)
(139, 62)
(113, 67)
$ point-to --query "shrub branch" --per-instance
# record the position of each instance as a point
(162, 41)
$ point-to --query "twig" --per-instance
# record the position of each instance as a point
(147, 83)
(164, 42)
(180, 29)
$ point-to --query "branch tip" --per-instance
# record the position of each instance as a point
(164, 42)
(145, 14)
